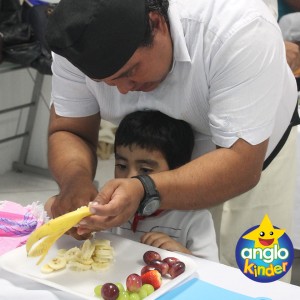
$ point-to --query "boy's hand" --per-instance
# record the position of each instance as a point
(163, 241)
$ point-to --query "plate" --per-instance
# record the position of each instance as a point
(128, 259)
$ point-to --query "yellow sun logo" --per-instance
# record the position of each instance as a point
(265, 235)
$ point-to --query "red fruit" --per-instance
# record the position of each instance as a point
(109, 291)
(170, 260)
(152, 277)
(133, 282)
(147, 268)
(150, 255)
(160, 265)
(176, 269)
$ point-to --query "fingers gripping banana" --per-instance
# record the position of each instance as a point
(52, 231)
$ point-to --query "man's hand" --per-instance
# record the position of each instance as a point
(116, 202)
(58, 205)
(292, 55)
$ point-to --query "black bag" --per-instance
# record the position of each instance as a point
(22, 30)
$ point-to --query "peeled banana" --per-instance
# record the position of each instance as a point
(53, 230)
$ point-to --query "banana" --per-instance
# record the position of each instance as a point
(61, 252)
(101, 243)
(85, 261)
(100, 266)
(57, 263)
(72, 254)
(87, 249)
(46, 269)
(53, 230)
(82, 258)
(77, 266)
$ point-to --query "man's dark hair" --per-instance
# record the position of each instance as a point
(153, 130)
(159, 6)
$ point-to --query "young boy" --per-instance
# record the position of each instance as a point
(148, 142)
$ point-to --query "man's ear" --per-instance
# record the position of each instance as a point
(158, 22)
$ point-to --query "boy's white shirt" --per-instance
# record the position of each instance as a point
(193, 229)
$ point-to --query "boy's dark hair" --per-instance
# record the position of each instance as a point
(153, 130)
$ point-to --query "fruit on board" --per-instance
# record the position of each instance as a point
(133, 282)
(160, 265)
(151, 255)
(148, 288)
(97, 290)
(109, 291)
(124, 295)
(152, 277)
(120, 286)
(176, 269)
(147, 268)
(170, 260)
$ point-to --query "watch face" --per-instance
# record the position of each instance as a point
(151, 207)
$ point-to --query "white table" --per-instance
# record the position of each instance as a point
(217, 274)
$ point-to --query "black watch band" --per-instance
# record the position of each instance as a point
(151, 201)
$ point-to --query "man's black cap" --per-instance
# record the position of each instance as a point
(97, 36)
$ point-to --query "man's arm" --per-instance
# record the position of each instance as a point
(72, 159)
(295, 4)
(204, 182)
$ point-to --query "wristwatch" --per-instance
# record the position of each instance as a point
(151, 201)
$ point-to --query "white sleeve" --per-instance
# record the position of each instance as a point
(70, 94)
(273, 6)
(246, 84)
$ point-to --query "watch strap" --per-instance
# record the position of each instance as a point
(148, 184)
(150, 191)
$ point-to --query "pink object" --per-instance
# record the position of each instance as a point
(18, 222)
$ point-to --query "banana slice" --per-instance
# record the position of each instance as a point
(100, 266)
(46, 269)
(72, 254)
(57, 263)
(61, 252)
(77, 266)
(87, 249)
(96, 255)
(104, 253)
(101, 243)
(85, 261)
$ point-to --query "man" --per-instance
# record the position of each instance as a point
(217, 64)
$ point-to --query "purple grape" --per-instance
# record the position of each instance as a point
(170, 260)
(109, 291)
(151, 255)
(176, 269)
(160, 265)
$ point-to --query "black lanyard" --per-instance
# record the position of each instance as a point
(294, 122)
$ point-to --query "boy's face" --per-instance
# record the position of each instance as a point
(134, 160)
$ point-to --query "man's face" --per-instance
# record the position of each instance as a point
(148, 66)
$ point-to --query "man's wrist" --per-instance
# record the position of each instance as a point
(151, 200)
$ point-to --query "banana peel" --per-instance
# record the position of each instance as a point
(47, 234)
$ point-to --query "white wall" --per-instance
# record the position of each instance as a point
(16, 89)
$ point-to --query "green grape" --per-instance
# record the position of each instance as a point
(134, 296)
(123, 295)
(120, 286)
(143, 293)
(97, 290)
(149, 288)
